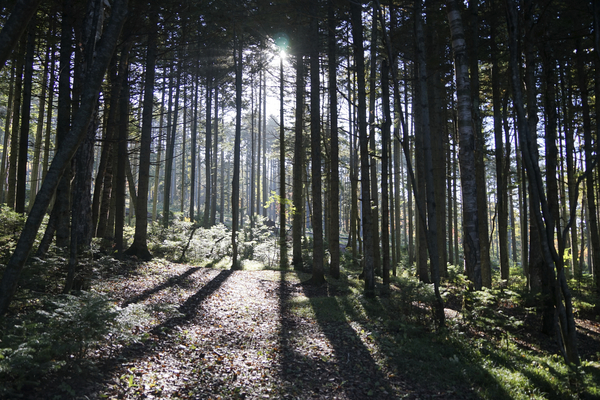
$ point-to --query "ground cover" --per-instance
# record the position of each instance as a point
(180, 331)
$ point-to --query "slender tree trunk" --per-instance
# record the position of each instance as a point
(37, 147)
(194, 156)
(589, 164)
(385, 137)
(170, 153)
(215, 154)
(283, 257)
(14, 138)
(367, 217)
(334, 192)
(372, 147)
(298, 167)
(159, 148)
(208, 149)
(430, 222)
(7, 130)
(501, 180)
(122, 159)
(315, 151)
(25, 119)
(467, 145)
(235, 186)
(482, 207)
(139, 247)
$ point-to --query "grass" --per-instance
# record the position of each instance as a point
(480, 349)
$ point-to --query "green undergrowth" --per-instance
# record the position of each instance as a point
(481, 353)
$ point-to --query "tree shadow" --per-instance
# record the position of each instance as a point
(433, 359)
(100, 375)
(328, 358)
(172, 281)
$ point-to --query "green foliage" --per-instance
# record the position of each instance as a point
(259, 243)
(11, 224)
(62, 329)
(204, 245)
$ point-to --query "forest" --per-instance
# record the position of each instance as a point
(344, 199)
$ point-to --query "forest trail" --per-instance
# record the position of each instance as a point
(221, 334)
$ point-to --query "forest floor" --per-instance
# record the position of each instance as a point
(212, 333)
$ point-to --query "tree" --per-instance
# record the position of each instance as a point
(235, 184)
(357, 37)
(73, 138)
(139, 247)
(14, 27)
(318, 269)
(562, 298)
(25, 118)
(467, 146)
(334, 192)
(298, 167)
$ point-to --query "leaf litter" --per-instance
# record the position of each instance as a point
(215, 334)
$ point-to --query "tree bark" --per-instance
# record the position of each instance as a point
(501, 180)
(318, 270)
(369, 245)
(14, 138)
(14, 27)
(298, 167)
(334, 192)
(467, 148)
(208, 149)
(235, 185)
(139, 247)
(385, 138)
(372, 146)
(25, 119)
(170, 153)
(482, 206)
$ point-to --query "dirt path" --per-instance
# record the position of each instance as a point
(218, 334)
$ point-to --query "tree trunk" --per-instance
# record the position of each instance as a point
(215, 153)
(466, 150)
(430, 222)
(14, 27)
(298, 167)
(208, 150)
(235, 185)
(482, 207)
(283, 257)
(385, 137)
(334, 192)
(25, 119)
(14, 138)
(170, 153)
(369, 243)
(37, 147)
(315, 151)
(501, 179)
(589, 164)
(7, 130)
(372, 147)
(194, 156)
(122, 160)
(139, 246)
